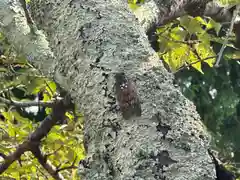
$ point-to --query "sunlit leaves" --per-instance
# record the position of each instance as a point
(133, 4)
(212, 24)
(63, 144)
(229, 2)
(234, 55)
(187, 44)
(192, 25)
(177, 57)
(206, 53)
(51, 87)
(36, 84)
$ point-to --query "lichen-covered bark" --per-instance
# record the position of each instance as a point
(14, 26)
(92, 41)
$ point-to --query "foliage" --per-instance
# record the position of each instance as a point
(195, 42)
(190, 43)
(134, 4)
(229, 2)
(64, 142)
(184, 43)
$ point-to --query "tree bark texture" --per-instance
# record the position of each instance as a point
(91, 41)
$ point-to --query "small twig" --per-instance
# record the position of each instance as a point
(49, 89)
(8, 160)
(228, 34)
(20, 161)
(68, 167)
(32, 143)
(27, 103)
(58, 166)
(18, 86)
(46, 164)
(54, 152)
(72, 166)
(28, 17)
(43, 174)
(34, 139)
(189, 42)
(195, 62)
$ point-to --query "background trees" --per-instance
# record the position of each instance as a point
(88, 44)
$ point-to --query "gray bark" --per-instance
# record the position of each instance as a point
(91, 41)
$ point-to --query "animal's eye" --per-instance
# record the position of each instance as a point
(124, 85)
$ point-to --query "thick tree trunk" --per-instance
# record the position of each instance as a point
(92, 41)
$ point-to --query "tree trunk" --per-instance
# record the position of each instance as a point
(91, 41)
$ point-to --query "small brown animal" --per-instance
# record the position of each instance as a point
(127, 96)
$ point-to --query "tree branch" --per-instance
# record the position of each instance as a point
(150, 14)
(27, 103)
(8, 160)
(195, 62)
(72, 166)
(228, 34)
(33, 45)
(33, 141)
(46, 164)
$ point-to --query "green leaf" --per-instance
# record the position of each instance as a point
(234, 55)
(2, 69)
(184, 21)
(19, 118)
(198, 66)
(212, 24)
(70, 154)
(178, 34)
(205, 51)
(194, 27)
(48, 110)
(11, 129)
(36, 85)
(177, 58)
(51, 87)
(200, 20)
(54, 136)
(8, 116)
(133, 6)
(230, 2)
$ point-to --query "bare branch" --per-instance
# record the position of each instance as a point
(42, 173)
(38, 52)
(68, 167)
(32, 144)
(219, 13)
(27, 103)
(195, 62)
(54, 152)
(58, 114)
(8, 89)
(46, 164)
(72, 166)
(8, 160)
(226, 39)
